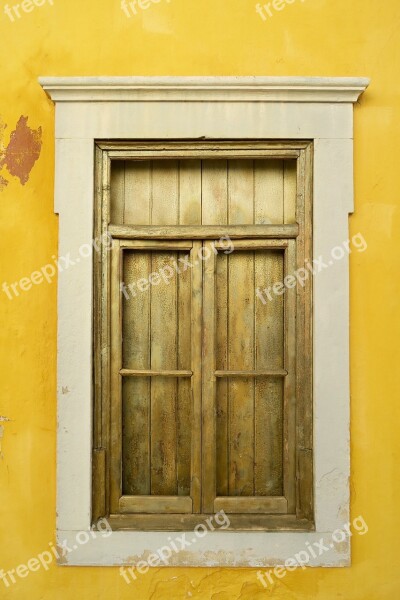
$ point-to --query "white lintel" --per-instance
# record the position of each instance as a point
(200, 89)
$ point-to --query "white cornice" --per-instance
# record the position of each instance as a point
(200, 89)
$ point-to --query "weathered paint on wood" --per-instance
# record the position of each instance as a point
(235, 448)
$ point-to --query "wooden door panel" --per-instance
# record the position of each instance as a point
(208, 192)
(249, 398)
(268, 437)
(156, 410)
(156, 436)
(136, 434)
(214, 192)
(156, 321)
(154, 395)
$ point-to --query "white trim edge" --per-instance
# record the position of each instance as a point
(198, 89)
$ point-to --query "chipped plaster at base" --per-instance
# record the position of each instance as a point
(78, 124)
(217, 549)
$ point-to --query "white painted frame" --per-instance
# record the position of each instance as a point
(318, 109)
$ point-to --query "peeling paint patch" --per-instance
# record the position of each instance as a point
(23, 150)
(3, 183)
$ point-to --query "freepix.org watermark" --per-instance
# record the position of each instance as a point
(26, 6)
(46, 558)
(48, 272)
(130, 7)
(176, 545)
(266, 11)
(303, 557)
(167, 273)
(300, 276)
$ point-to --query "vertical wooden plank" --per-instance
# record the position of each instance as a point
(163, 340)
(269, 437)
(222, 396)
(136, 310)
(215, 212)
(241, 305)
(105, 319)
(189, 342)
(240, 192)
(304, 406)
(135, 436)
(190, 192)
(269, 311)
(268, 191)
(137, 192)
(290, 383)
(164, 321)
(117, 192)
(115, 379)
(214, 192)
(196, 349)
(209, 385)
(165, 193)
(241, 357)
(98, 483)
(136, 391)
(289, 191)
(184, 395)
(269, 322)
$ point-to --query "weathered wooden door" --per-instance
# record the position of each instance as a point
(202, 367)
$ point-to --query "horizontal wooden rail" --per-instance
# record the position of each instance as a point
(254, 505)
(203, 232)
(268, 372)
(155, 504)
(149, 245)
(241, 522)
(149, 373)
(202, 151)
(253, 244)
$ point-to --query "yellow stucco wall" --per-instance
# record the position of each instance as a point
(207, 37)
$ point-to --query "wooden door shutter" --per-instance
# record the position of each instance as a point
(249, 381)
(203, 397)
(154, 366)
